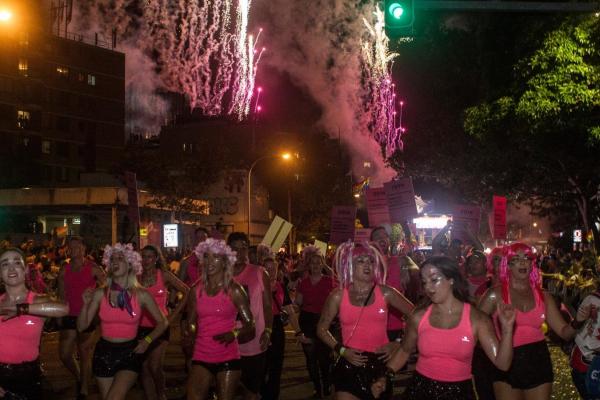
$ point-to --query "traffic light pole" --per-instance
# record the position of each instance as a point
(507, 6)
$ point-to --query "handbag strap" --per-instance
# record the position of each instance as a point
(361, 311)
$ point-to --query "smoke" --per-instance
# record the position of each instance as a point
(318, 43)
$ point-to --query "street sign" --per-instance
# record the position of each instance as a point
(577, 235)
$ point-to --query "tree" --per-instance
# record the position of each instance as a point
(543, 134)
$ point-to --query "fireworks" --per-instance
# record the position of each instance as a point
(200, 54)
(383, 120)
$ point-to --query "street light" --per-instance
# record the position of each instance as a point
(5, 15)
(284, 156)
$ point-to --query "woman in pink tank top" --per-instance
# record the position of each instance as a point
(361, 301)
(530, 374)
(22, 314)
(213, 308)
(445, 331)
(117, 358)
(159, 282)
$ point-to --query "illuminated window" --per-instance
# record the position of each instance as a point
(91, 80)
(23, 67)
(62, 71)
(46, 147)
(23, 118)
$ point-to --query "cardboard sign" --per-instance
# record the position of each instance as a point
(133, 210)
(342, 224)
(401, 200)
(377, 207)
(277, 233)
(499, 217)
(322, 246)
(362, 235)
(465, 217)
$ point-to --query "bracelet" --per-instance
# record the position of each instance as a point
(299, 333)
(576, 324)
(148, 339)
(342, 350)
(236, 333)
(22, 309)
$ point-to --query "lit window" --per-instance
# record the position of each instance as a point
(23, 118)
(184, 147)
(91, 80)
(46, 146)
(63, 71)
(23, 67)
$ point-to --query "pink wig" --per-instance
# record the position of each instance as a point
(216, 247)
(535, 279)
(344, 266)
(133, 257)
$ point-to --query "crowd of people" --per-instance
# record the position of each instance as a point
(476, 322)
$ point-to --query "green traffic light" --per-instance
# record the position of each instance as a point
(396, 10)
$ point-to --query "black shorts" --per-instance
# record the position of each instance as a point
(358, 380)
(253, 371)
(424, 388)
(531, 367)
(70, 323)
(215, 368)
(110, 358)
(145, 331)
(22, 381)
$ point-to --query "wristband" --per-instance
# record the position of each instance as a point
(22, 309)
(342, 350)
(148, 339)
(236, 333)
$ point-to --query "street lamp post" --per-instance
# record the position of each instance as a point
(285, 156)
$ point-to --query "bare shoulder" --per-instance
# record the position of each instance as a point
(478, 316)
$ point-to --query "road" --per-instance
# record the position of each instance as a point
(295, 385)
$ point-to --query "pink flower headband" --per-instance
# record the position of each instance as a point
(215, 246)
(133, 257)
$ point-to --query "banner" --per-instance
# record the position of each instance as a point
(465, 217)
(342, 224)
(133, 210)
(499, 217)
(362, 234)
(277, 233)
(377, 207)
(401, 200)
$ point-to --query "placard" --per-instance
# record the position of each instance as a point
(577, 236)
(322, 246)
(362, 234)
(277, 233)
(463, 217)
(499, 217)
(400, 199)
(377, 207)
(170, 235)
(342, 224)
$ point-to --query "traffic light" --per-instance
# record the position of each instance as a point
(399, 17)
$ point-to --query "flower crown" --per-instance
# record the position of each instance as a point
(215, 246)
(133, 257)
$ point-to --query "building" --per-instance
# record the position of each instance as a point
(62, 101)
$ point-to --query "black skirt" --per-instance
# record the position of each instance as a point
(22, 381)
(531, 367)
(424, 388)
(358, 380)
(110, 358)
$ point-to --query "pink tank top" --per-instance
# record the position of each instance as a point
(118, 324)
(394, 279)
(75, 283)
(216, 314)
(251, 279)
(20, 337)
(446, 354)
(192, 274)
(528, 325)
(160, 294)
(370, 332)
